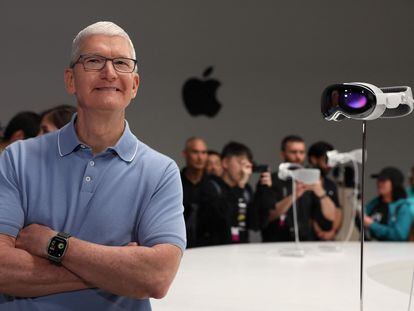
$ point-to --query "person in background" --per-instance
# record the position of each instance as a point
(227, 211)
(192, 177)
(312, 204)
(214, 166)
(410, 188)
(317, 158)
(388, 216)
(23, 125)
(55, 118)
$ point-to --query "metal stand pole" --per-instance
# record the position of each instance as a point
(361, 285)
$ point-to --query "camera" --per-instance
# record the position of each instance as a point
(260, 168)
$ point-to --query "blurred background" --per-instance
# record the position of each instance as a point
(271, 58)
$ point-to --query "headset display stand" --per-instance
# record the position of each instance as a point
(297, 250)
(362, 237)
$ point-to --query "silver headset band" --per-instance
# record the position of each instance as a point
(398, 101)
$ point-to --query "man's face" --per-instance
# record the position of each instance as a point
(321, 163)
(47, 126)
(294, 153)
(106, 89)
(214, 165)
(234, 166)
(384, 187)
(195, 154)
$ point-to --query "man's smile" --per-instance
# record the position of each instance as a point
(107, 89)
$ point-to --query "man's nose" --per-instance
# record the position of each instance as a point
(108, 71)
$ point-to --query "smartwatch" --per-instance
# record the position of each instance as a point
(57, 247)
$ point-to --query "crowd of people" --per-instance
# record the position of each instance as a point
(221, 207)
(29, 124)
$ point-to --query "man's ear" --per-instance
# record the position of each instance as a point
(69, 81)
(225, 163)
(135, 85)
(313, 160)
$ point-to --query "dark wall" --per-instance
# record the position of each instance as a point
(273, 59)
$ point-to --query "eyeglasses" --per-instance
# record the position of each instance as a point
(98, 62)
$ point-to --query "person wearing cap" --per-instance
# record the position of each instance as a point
(388, 216)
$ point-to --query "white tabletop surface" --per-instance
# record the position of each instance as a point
(258, 277)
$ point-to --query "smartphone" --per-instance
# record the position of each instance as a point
(260, 168)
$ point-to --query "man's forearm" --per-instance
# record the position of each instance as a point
(26, 275)
(328, 208)
(281, 208)
(133, 271)
(338, 220)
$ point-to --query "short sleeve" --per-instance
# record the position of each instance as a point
(163, 220)
(11, 209)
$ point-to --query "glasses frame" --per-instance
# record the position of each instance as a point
(81, 58)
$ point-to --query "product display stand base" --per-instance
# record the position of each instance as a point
(292, 252)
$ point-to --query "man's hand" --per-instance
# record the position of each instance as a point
(327, 235)
(317, 188)
(367, 221)
(265, 179)
(301, 188)
(34, 239)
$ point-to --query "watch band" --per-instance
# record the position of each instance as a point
(64, 235)
(323, 196)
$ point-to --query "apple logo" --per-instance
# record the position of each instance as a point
(199, 95)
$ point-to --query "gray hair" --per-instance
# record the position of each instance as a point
(99, 28)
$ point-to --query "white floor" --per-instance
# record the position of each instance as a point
(258, 277)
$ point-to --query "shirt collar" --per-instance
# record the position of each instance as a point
(126, 147)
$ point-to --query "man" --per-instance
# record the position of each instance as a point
(214, 166)
(90, 197)
(226, 210)
(311, 200)
(22, 126)
(192, 176)
(317, 158)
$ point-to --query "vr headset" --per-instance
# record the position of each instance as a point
(363, 101)
(297, 172)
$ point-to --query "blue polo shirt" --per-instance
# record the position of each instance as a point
(129, 192)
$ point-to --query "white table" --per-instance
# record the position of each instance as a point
(258, 277)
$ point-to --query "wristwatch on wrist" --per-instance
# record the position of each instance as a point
(57, 247)
(323, 196)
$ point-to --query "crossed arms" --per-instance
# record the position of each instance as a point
(134, 271)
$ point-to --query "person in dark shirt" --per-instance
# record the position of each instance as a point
(317, 158)
(311, 202)
(213, 166)
(192, 176)
(226, 211)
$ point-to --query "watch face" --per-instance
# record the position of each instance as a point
(57, 247)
